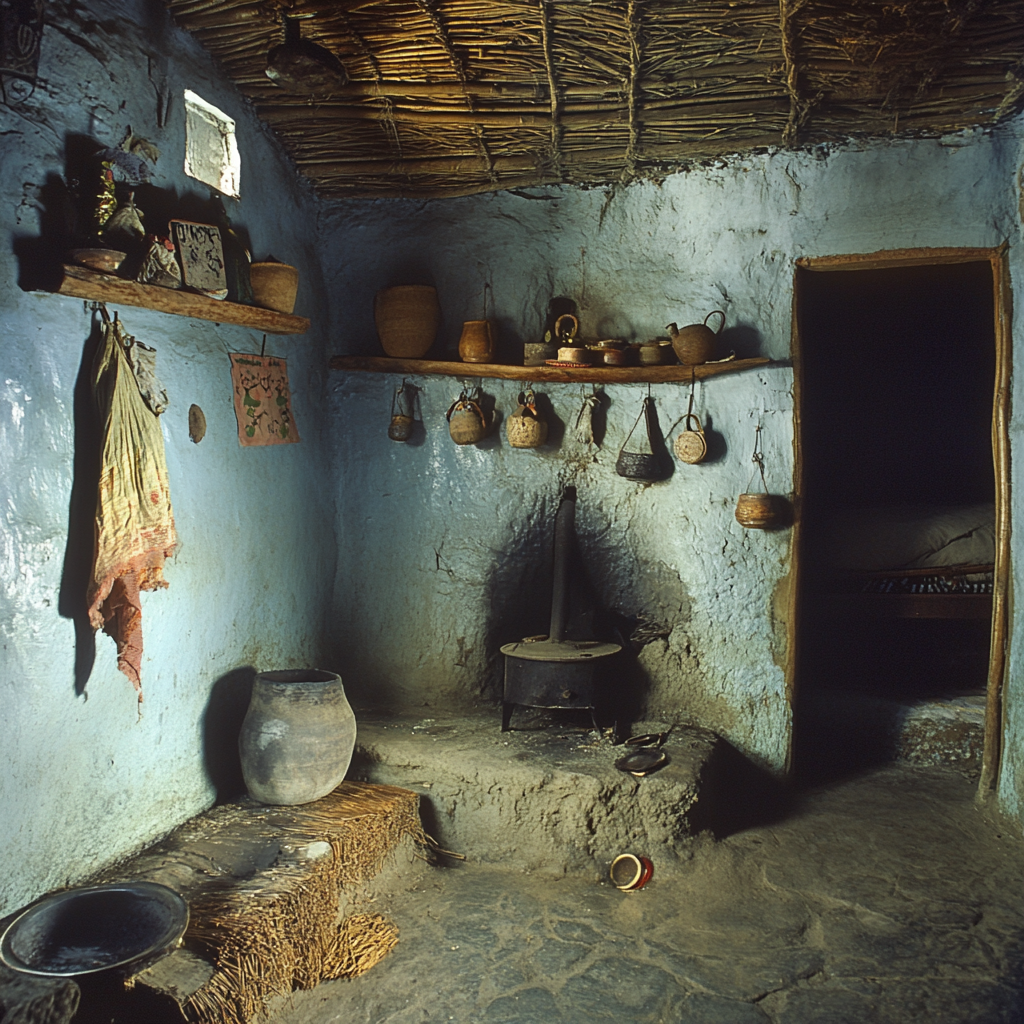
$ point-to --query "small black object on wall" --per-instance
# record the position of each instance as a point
(21, 33)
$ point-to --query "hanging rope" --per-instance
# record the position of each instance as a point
(758, 459)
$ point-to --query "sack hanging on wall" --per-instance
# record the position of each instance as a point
(263, 400)
(134, 523)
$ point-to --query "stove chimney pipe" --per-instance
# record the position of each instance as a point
(565, 527)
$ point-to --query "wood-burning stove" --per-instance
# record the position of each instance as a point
(552, 672)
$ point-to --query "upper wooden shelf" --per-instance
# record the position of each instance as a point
(588, 374)
(89, 284)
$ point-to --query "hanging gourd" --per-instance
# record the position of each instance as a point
(467, 422)
(400, 428)
(525, 427)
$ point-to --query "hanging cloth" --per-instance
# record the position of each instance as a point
(134, 529)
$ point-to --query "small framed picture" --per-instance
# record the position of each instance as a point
(202, 258)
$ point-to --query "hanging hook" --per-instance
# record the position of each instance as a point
(757, 457)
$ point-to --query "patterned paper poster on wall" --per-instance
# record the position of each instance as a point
(263, 401)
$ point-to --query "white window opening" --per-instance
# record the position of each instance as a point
(211, 152)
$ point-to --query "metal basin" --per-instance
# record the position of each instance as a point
(81, 931)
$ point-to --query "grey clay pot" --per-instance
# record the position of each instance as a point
(298, 736)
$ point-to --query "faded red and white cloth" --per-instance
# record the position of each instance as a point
(134, 522)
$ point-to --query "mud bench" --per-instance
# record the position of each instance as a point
(273, 896)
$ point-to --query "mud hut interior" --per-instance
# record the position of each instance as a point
(456, 460)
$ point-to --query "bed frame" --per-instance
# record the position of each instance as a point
(901, 605)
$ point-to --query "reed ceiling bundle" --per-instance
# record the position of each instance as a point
(453, 97)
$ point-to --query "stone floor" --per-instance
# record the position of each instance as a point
(884, 898)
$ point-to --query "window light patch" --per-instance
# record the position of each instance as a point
(211, 152)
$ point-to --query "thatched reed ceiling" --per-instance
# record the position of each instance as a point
(451, 97)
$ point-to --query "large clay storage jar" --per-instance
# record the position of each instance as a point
(476, 345)
(298, 736)
(407, 318)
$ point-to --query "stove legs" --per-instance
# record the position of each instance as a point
(507, 707)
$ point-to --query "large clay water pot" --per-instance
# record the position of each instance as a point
(696, 344)
(407, 318)
(298, 736)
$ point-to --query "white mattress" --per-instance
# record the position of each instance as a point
(910, 537)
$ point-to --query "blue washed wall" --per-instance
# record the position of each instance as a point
(438, 543)
(83, 779)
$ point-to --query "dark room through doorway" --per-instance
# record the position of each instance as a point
(897, 371)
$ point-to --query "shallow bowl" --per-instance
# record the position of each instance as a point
(85, 930)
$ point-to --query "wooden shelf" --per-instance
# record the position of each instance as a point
(588, 374)
(89, 284)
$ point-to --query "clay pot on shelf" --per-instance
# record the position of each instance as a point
(696, 343)
(407, 318)
(574, 354)
(476, 344)
(298, 736)
(525, 427)
(655, 353)
(611, 353)
(274, 285)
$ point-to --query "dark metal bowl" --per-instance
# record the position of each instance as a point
(81, 931)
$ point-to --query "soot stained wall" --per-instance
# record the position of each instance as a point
(438, 545)
(84, 778)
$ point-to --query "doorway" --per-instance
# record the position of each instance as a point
(901, 364)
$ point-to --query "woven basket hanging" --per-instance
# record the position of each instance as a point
(641, 464)
(754, 510)
(691, 445)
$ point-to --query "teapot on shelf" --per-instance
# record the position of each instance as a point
(695, 344)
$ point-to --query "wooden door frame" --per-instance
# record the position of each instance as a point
(1002, 303)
